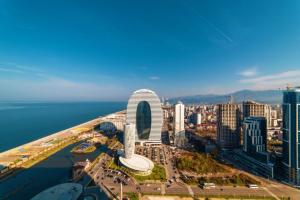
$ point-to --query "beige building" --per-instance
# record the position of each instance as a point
(228, 125)
(254, 109)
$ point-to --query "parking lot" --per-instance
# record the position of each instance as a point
(155, 154)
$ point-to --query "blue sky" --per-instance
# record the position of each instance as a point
(104, 50)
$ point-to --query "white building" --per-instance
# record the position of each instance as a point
(136, 163)
(199, 119)
(144, 110)
(129, 140)
(179, 117)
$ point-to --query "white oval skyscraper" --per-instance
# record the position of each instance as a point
(144, 110)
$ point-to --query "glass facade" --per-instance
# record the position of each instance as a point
(286, 121)
(291, 146)
(143, 120)
(298, 116)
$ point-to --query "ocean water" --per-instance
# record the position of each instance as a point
(24, 122)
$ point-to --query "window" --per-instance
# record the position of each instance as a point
(143, 120)
(298, 106)
(286, 116)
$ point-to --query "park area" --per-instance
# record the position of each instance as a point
(197, 168)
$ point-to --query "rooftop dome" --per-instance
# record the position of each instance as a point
(144, 91)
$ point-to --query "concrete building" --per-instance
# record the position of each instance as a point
(228, 125)
(291, 136)
(144, 110)
(254, 109)
(69, 191)
(178, 117)
(199, 119)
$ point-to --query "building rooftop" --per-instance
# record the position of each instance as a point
(144, 91)
(65, 191)
(293, 89)
(137, 163)
(254, 118)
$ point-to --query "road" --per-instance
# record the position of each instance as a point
(174, 186)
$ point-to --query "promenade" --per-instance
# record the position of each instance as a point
(26, 155)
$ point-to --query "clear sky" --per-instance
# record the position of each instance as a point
(103, 50)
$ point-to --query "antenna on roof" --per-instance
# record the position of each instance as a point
(230, 99)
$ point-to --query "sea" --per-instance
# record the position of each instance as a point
(24, 122)
(21, 123)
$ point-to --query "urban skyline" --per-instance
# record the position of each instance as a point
(158, 148)
(150, 100)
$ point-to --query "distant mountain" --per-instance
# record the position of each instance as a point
(263, 96)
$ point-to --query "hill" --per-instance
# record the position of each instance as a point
(263, 96)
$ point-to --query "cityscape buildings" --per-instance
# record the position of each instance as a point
(144, 110)
(228, 125)
(291, 134)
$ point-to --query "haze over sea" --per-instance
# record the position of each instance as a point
(21, 123)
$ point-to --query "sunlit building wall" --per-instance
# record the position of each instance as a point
(129, 140)
(144, 110)
(178, 117)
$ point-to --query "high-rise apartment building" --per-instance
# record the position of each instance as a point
(291, 135)
(255, 138)
(228, 125)
(129, 140)
(254, 156)
(254, 109)
(195, 119)
(179, 117)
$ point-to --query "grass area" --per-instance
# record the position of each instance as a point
(158, 173)
(47, 154)
(89, 149)
(234, 180)
(111, 142)
(224, 197)
(238, 180)
(132, 195)
(199, 163)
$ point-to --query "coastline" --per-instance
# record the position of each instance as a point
(41, 149)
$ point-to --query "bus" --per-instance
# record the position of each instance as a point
(252, 186)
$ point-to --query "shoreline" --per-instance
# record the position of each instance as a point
(16, 159)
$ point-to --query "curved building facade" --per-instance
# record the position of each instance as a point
(144, 110)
